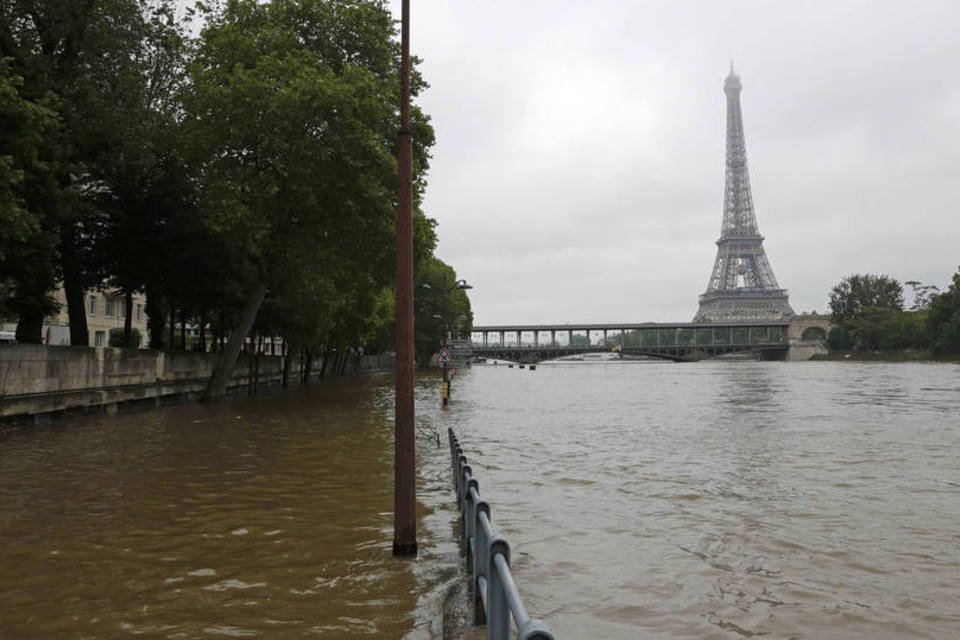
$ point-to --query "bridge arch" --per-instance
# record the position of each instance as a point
(814, 333)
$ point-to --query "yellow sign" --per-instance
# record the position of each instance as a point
(444, 390)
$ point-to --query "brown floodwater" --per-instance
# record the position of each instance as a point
(643, 500)
(269, 517)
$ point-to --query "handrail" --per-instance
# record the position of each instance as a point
(496, 598)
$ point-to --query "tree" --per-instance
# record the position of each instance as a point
(855, 293)
(943, 324)
(27, 240)
(438, 306)
(86, 61)
(139, 167)
(922, 294)
(577, 340)
(291, 117)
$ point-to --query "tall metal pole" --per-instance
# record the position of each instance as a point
(404, 496)
(445, 343)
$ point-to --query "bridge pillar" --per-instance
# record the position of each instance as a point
(536, 338)
(604, 337)
(553, 338)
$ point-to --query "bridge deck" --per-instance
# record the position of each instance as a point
(628, 326)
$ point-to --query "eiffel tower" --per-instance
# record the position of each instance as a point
(742, 286)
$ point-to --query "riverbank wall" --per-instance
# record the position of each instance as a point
(40, 382)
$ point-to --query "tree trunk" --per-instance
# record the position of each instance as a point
(155, 317)
(307, 366)
(203, 333)
(29, 301)
(183, 329)
(285, 376)
(323, 365)
(73, 288)
(221, 374)
(30, 325)
(128, 319)
(335, 371)
(256, 364)
(173, 325)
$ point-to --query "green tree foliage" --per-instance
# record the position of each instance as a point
(889, 329)
(243, 178)
(944, 319)
(578, 340)
(855, 293)
(120, 338)
(93, 64)
(290, 113)
(439, 306)
(868, 314)
(26, 240)
(922, 294)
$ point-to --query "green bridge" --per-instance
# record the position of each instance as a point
(679, 342)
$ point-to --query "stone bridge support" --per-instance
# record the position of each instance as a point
(808, 336)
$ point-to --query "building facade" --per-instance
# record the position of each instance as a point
(105, 310)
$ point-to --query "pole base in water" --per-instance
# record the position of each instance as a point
(404, 549)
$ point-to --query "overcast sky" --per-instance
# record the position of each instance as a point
(578, 170)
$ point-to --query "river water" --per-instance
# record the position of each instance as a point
(725, 500)
(643, 500)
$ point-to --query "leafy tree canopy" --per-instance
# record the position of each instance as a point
(859, 292)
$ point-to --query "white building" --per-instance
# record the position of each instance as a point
(105, 311)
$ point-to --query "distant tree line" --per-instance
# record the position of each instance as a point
(243, 178)
(869, 314)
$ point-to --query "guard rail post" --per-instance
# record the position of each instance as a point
(498, 609)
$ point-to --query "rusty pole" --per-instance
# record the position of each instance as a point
(404, 496)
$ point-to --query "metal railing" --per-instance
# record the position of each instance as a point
(496, 598)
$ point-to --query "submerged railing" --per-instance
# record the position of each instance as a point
(496, 598)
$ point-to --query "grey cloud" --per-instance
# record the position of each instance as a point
(579, 166)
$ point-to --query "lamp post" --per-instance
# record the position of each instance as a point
(447, 289)
(405, 464)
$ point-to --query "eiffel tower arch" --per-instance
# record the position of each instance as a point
(742, 286)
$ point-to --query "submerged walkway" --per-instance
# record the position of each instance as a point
(269, 517)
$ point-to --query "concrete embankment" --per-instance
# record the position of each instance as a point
(39, 381)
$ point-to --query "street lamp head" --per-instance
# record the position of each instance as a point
(462, 284)
(425, 285)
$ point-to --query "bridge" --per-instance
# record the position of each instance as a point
(678, 342)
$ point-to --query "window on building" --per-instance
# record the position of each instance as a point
(139, 315)
(109, 304)
(122, 303)
(93, 305)
(100, 339)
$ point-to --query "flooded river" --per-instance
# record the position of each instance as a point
(725, 500)
(643, 500)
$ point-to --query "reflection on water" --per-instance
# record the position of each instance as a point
(269, 518)
(725, 500)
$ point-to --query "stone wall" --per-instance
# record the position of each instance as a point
(38, 380)
(801, 349)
